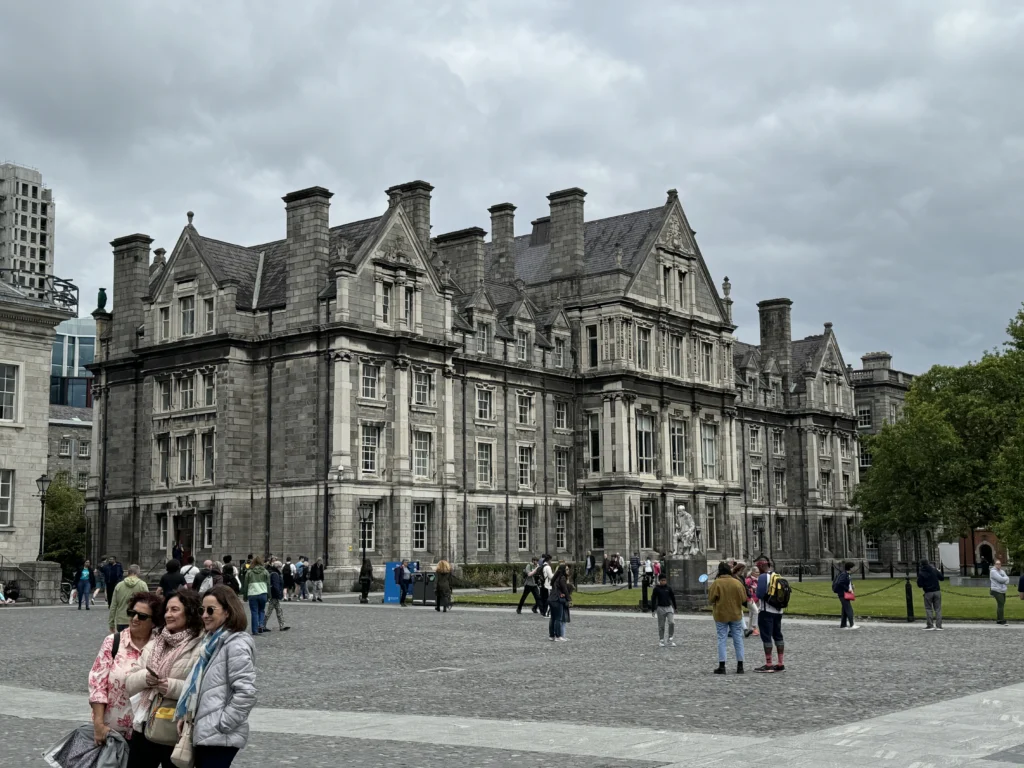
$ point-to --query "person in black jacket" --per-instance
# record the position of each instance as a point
(113, 573)
(276, 593)
(316, 580)
(171, 581)
(663, 605)
(842, 586)
(365, 580)
(928, 579)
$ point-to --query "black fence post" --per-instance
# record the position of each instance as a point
(832, 571)
(910, 602)
(515, 582)
(800, 572)
(862, 572)
(892, 570)
(942, 568)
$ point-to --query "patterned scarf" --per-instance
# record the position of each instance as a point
(189, 699)
(167, 647)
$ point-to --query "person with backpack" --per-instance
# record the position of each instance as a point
(403, 577)
(189, 571)
(663, 605)
(530, 585)
(843, 587)
(301, 577)
(928, 578)
(230, 576)
(276, 594)
(126, 589)
(773, 591)
(288, 573)
(634, 570)
(316, 580)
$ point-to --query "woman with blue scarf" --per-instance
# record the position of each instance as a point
(222, 687)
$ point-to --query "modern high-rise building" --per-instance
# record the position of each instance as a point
(73, 349)
(26, 230)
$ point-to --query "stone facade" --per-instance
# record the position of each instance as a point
(69, 448)
(563, 390)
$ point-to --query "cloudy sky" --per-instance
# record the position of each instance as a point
(863, 159)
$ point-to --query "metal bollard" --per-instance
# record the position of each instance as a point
(910, 602)
(800, 573)
(863, 575)
(644, 599)
(515, 582)
(892, 570)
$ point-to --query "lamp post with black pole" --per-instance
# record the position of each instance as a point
(43, 484)
(364, 517)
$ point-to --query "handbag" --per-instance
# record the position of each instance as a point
(182, 755)
(160, 725)
(848, 595)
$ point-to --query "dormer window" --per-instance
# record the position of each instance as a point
(187, 315)
(559, 353)
(410, 295)
(522, 345)
(165, 323)
(483, 338)
(387, 291)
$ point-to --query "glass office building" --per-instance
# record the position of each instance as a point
(73, 349)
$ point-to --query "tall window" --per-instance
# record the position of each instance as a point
(185, 447)
(646, 525)
(161, 528)
(871, 549)
(846, 487)
(484, 463)
(422, 445)
(709, 450)
(844, 446)
(825, 444)
(186, 392)
(165, 395)
(524, 409)
(677, 438)
(756, 485)
(386, 292)
(523, 530)
(561, 469)
(371, 378)
(681, 288)
(484, 402)
(778, 444)
(165, 323)
(592, 346)
(560, 529)
(675, 357)
(780, 532)
(864, 417)
(370, 446)
(559, 353)
(522, 345)
(407, 315)
(525, 466)
(561, 414)
(207, 530)
(208, 315)
(209, 388)
(826, 533)
(707, 361)
(865, 459)
(779, 481)
(163, 452)
(207, 447)
(666, 282)
(755, 439)
(483, 529)
(643, 348)
(423, 388)
(367, 525)
(645, 444)
(65, 447)
(187, 315)
(711, 527)
(759, 542)
(594, 431)
(8, 392)
(826, 487)
(483, 338)
(6, 497)
(419, 527)
(597, 523)
(826, 387)
(894, 413)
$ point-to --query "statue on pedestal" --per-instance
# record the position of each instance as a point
(684, 539)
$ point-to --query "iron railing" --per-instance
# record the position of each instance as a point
(57, 291)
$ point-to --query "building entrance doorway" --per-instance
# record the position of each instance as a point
(185, 534)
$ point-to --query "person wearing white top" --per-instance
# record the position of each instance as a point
(997, 581)
(548, 574)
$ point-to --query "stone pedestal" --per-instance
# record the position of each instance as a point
(40, 582)
(684, 579)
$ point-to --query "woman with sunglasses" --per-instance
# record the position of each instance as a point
(160, 675)
(111, 709)
(222, 687)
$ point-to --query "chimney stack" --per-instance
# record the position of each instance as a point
(158, 262)
(566, 232)
(777, 333)
(464, 251)
(503, 242)
(309, 245)
(415, 198)
(131, 289)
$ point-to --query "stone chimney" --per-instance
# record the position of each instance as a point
(309, 244)
(566, 232)
(415, 198)
(463, 251)
(876, 361)
(503, 235)
(158, 262)
(131, 288)
(777, 332)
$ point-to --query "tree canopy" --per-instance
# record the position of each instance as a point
(65, 535)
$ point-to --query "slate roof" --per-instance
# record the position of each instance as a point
(230, 263)
(601, 239)
(805, 350)
(69, 413)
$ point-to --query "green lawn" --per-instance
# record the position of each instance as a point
(815, 598)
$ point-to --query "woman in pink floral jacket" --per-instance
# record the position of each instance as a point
(111, 708)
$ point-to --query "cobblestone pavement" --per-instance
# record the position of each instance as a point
(493, 664)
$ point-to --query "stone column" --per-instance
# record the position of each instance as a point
(341, 444)
(449, 424)
(401, 457)
(628, 432)
(665, 454)
(606, 434)
(417, 308)
(698, 449)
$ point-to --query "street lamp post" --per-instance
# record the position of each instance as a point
(43, 484)
(364, 515)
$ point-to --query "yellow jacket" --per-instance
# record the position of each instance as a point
(728, 598)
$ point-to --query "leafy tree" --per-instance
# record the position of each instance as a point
(65, 541)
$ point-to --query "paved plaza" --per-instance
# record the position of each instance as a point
(383, 686)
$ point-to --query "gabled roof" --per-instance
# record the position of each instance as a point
(230, 263)
(807, 351)
(70, 413)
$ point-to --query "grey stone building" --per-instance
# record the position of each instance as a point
(70, 444)
(369, 385)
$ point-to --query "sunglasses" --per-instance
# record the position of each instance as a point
(208, 610)
(139, 616)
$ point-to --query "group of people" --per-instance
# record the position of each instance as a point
(614, 568)
(551, 585)
(403, 575)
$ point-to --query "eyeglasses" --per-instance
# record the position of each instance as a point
(210, 609)
(139, 616)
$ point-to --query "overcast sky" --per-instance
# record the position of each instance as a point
(864, 159)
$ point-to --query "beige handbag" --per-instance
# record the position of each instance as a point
(182, 755)
(161, 727)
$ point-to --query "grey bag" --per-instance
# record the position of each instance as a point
(79, 750)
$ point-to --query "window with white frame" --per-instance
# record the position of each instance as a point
(408, 313)
(84, 449)
(483, 529)
(677, 441)
(6, 498)
(163, 458)
(165, 323)
(846, 487)
(8, 392)
(82, 481)
(756, 485)
(559, 353)
(186, 392)
(826, 533)
(422, 452)
(419, 527)
(526, 467)
(779, 483)
(483, 338)
(164, 388)
(667, 288)
(187, 315)
(839, 394)
(894, 413)
(707, 361)
(755, 439)
(645, 444)
(370, 381)
(681, 288)
(524, 409)
(184, 446)
(778, 442)
(560, 529)
(522, 346)
(643, 348)
(826, 387)
(161, 527)
(646, 525)
(711, 525)
(561, 414)
(561, 469)
(826, 487)
(208, 315)
(484, 463)
(825, 444)
(367, 525)
(370, 447)
(65, 447)
(209, 388)
(386, 296)
(207, 530)
(864, 417)
(523, 530)
(675, 356)
(422, 388)
(865, 459)
(709, 449)
(484, 404)
(594, 432)
(207, 449)
(592, 346)
(844, 446)
(871, 549)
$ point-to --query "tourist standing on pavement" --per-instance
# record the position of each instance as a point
(403, 575)
(365, 580)
(530, 585)
(316, 580)
(85, 583)
(606, 565)
(750, 582)
(769, 619)
(121, 599)
(728, 598)
(590, 565)
(160, 674)
(255, 589)
(547, 574)
(663, 605)
(230, 576)
(108, 697)
(189, 571)
(288, 573)
(276, 594)
(172, 580)
(112, 575)
(301, 577)
(558, 597)
(221, 689)
(843, 587)
(634, 570)
(928, 578)
(997, 581)
(443, 586)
